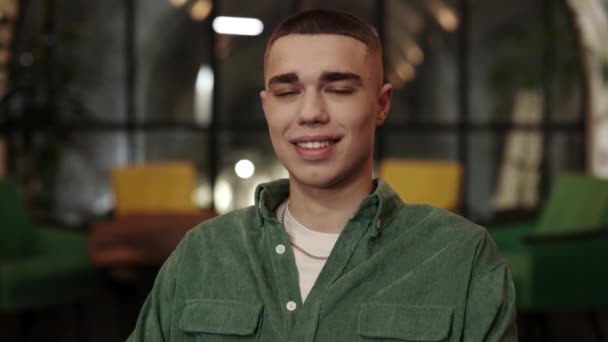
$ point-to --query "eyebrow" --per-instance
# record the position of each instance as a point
(326, 77)
(291, 77)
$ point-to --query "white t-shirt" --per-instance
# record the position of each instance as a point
(313, 242)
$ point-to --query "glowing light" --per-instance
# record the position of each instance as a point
(178, 3)
(203, 98)
(414, 54)
(405, 71)
(238, 26)
(201, 196)
(244, 168)
(445, 16)
(201, 10)
(447, 19)
(222, 196)
(103, 203)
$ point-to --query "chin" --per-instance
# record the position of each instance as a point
(319, 181)
(313, 180)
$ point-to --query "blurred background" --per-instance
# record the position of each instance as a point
(124, 123)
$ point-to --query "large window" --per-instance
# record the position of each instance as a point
(121, 81)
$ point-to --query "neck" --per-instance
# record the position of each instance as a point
(327, 209)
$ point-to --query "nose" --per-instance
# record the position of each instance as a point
(313, 110)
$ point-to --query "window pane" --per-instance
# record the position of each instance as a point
(567, 84)
(421, 60)
(172, 48)
(240, 60)
(73, 72)
(175, 145)
(506, 56)
(485, 158)
(419, 145)
(82, 189)
(234, 188)
(566, 154)
(89, 67)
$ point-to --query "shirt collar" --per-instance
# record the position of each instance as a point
(381, 206)
(268, 196)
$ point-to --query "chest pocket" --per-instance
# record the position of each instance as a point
(378, 322)
(220, 320)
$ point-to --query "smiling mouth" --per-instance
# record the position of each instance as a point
(313, 145)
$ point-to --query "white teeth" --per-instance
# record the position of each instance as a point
(314, 144)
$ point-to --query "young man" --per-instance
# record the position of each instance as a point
(330, 254)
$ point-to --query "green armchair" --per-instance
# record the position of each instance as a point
(39, 266)
(558, 262)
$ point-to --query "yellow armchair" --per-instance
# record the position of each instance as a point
(154, 187)
(434, 182)
(154, 209)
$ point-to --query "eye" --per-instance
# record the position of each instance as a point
(340, 91)
(286, 92)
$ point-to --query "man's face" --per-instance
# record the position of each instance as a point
(322, 100)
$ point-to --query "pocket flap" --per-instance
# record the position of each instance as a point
(406, 322)
(220, 316)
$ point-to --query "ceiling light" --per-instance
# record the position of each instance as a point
(244, 168)
(203, 98)
(414, 54)
(201, 10)
(178, 3)
(222, 196)
(406, 71)
(444, 14)
(238, 26)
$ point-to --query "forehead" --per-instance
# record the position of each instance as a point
(309, 54)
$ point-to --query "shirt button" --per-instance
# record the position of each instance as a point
(291, 305)
(280, 249)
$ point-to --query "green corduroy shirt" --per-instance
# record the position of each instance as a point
(398, 272)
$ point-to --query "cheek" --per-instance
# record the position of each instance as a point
(364, 127)
(361, 118)
(280, 117)
(277, 125)
(275, 137)
(273, 129)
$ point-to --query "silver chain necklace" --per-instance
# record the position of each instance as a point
(312, 256)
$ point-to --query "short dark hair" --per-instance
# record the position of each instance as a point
(323, 21)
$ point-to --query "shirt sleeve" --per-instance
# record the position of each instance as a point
(491, 310)
(156, 318)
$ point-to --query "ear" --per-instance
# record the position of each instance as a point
(384, 103)
(263, 100)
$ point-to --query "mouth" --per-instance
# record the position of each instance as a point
(315, 143)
